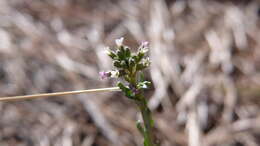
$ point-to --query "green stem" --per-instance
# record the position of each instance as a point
(146, 114)
(148, 121)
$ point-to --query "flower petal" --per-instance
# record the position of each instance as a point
(119, 42)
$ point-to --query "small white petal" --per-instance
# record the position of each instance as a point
(107, 52)
(144, 50)
(114, 74)
(119, 42)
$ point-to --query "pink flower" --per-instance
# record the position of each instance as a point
(104, 75)
(145, 44)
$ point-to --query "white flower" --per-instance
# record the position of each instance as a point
(147, 61)
(119, 42)
(114, 74)
(144, 47)
(144, 50)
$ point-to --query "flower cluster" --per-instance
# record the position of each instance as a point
(129, 66)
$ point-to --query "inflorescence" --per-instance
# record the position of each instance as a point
(129, 67)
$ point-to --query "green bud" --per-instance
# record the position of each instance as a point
(135, 58)
(123, 64)
(131, 62)
(127, 52)
(116, 63)
(140, 66)
(145, 63)
(122, 73)
(111, 54)
(140, 56)
(120, 53)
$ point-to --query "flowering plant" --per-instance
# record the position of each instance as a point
(129, 67)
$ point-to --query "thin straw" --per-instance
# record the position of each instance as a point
(26, 97)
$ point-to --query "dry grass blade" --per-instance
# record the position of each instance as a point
(26, 97)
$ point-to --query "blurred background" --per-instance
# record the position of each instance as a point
(205, 71)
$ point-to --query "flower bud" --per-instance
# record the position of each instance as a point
(145, 44)
(116, 63)
(114, 74)
(123, 64)
(111, 54)
(147, 62)
(127, 52)
(143, 47)
(131, 62)
(143, 50)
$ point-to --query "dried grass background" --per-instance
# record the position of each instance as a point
(205, 71)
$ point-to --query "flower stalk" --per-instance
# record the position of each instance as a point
(129, 68)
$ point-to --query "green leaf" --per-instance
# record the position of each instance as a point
(128, 92)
